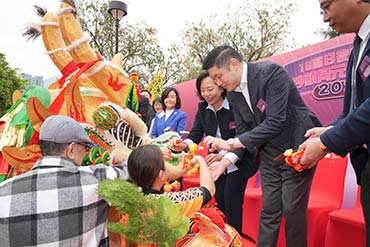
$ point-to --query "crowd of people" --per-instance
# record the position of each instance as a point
(248, 114)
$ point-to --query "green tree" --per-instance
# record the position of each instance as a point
(138, 43)
(257, 30)
(9, 82)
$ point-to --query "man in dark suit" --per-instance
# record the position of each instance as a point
(350, 133)
(270, 117)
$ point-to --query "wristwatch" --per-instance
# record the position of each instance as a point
(231, 142)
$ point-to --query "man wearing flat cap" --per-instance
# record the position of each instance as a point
(55, 204)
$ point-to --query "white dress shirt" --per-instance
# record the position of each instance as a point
(364, 33)
(232, 157)
(243, 86)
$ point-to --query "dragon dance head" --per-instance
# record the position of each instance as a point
(208, 229)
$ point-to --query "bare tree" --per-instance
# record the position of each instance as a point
(256, 30)
(328, 33)
(138, 43)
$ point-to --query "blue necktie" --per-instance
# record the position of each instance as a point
(355, 51)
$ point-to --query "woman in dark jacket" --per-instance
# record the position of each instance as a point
(214, 117)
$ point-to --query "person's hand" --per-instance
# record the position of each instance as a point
(216, 144)
(316, 132)
(218, 168)
(167, 154)
(210, 158)
(196, 159)
(312, 152)
(205, 176)
(177, 145)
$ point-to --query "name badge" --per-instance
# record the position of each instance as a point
(232, 125)
(364, 68)
(261, 105)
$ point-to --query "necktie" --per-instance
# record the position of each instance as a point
(355, 51)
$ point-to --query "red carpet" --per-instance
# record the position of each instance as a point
(248, 242)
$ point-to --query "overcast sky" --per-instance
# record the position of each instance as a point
(167, 16)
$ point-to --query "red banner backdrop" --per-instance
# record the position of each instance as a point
(318, 70)
(319, 73)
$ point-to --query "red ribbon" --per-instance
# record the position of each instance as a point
(85, 66)
(59, 100)
(66, 71)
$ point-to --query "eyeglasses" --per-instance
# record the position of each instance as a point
(87, 146)
(324, 9)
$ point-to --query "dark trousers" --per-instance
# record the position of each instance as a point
(230, 197)
(365, 199)
(284, 191)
